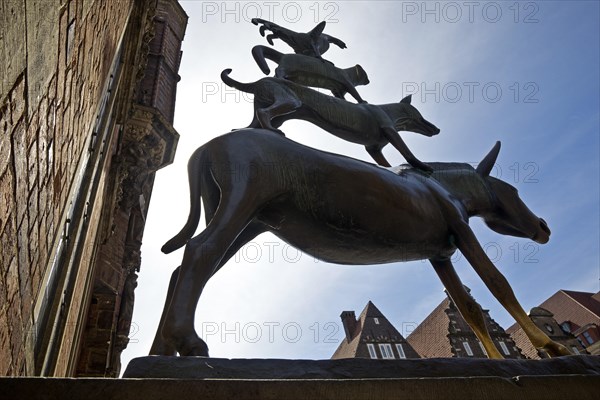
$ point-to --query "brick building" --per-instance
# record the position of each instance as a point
(544, 320)
(445, 333)
(86, 110)
(569, 317)
(372, 336)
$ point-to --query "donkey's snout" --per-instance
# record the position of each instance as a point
(543, 234)
(544, 226)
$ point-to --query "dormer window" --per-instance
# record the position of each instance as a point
(588, 337)
(504, 348)
(400, 349)
(386, 350)
(468, 348)
(372, 352)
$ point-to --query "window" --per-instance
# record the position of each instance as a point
(566, 326)
(371, 348)
(483, 348)
(468, 348)
(376, 321)
(575, 350)
(504, 348)
(386, 350)
(400, 349)
(588, 337)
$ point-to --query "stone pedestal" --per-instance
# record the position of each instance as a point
(153, 378)
(154, 367)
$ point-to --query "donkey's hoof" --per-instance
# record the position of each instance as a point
(162, 349)
(196, 347)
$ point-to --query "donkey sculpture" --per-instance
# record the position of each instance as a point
(343, 211)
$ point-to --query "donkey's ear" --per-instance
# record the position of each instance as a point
(317, 30)
(485, 166)
(407, 99)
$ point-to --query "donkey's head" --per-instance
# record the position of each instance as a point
(509, 214)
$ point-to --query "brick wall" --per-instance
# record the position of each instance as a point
(460, 332)
(58, 57)
(544, 320)
(148, 143)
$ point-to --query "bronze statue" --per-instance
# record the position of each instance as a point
(278, 100)
(309, 71)
(313, 43)
(343, 211)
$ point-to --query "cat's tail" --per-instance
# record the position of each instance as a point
(244, 87)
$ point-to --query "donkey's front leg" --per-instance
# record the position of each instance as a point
(500, 288)
(466, 304)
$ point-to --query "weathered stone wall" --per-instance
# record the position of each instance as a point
(56, 58)
(148, 142)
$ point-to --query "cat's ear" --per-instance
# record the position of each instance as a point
(317, 30)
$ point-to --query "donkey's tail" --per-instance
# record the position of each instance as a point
(190, 226)
(244, 87)
(261, 52)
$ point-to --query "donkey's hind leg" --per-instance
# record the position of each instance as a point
(160, 346)
(203, 256)
(466, 304)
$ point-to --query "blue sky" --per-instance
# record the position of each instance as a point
(524, 73)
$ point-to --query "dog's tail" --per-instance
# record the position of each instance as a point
(190, 226)
(244, 87)
(261, 52)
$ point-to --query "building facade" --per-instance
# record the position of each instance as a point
(86, 112)
(569, 317)
(544, 320)
(372, 336)
(445, 333)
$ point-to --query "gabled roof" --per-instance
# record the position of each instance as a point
(444, 332)
(591, 301)
(430, 338)
(368, 331)
(580, 308)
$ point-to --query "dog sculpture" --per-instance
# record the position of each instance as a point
(309, 71)
(313, 43)
(343, 211)
(278, 100)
